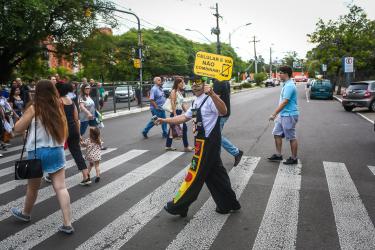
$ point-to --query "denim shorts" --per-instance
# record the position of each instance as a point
(285, 126)
(53, 159)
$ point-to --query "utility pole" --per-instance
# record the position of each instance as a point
(255, 54)
(216, 30)
(271, 62)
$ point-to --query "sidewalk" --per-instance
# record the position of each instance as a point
(133, 110)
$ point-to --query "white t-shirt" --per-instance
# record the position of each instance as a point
(209, 113)
(43, 139)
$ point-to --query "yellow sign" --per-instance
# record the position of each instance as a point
(213, 65)
(137, 63)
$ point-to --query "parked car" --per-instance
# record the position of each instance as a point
(300, 78)
(321, 89)
(359, 94)
(167, 88)
(123, 93)
(269, 82)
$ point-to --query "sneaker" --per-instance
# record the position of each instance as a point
(238, 157)
(188, 149)
(275, 157)
(170, 149)
(144, 135)
(97, 179)
(17, 213)
(182, 213)
(227, 211)
(85, 182)
(290, 161)
(66, 229)
(47, 178)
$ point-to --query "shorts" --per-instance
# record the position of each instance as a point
(53, 159)
(285, 126)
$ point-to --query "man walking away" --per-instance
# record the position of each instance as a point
(285, 124)
(157, 99)
(223, 90)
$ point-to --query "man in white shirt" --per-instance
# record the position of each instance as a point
(206, 165)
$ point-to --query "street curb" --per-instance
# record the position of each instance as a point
(337, 99)
(111, 115)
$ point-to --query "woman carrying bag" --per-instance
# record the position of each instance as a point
(177, 106)
(47, 133)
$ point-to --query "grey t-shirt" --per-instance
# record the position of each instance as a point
(89, 105)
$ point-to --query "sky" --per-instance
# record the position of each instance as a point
(280, 25)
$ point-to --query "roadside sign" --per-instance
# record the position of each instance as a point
(348, 64)
(213, 65)
(137, 63)
(324, 67)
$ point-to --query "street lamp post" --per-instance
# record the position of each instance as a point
(139, 38)
(200, 33)
(230, 33)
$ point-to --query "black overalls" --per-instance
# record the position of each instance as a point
(206, 167)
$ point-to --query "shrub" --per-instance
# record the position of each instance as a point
(260, 77)
(246, 85)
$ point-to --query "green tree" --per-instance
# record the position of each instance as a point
(26, 26)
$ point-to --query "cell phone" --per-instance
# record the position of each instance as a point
(154, 118)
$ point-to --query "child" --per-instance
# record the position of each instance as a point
(93, 151)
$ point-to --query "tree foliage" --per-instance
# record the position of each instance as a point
(26, 26)
(351, 35)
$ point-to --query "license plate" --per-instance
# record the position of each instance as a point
(321, 89)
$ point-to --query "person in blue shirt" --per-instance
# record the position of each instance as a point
(287, 117)
(157, 99)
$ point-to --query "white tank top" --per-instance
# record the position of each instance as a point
(43, 139)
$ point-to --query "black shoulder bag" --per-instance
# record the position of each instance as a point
(28, 169)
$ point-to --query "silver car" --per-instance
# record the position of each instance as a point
(359, 94)
(124, 93)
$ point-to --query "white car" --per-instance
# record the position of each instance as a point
(124, 93)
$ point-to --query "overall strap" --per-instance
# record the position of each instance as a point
(205, 99)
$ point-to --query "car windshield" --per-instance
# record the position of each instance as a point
(358, 86)
(168, 84)
(322, 83)
(124, 88)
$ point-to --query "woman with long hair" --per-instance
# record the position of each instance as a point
(46, 115)
(16, 101)
(73, 123)
(178, 106)
(87, 109)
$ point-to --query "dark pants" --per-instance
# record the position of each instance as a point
(184, 133)
(75, 150)
(211, 171)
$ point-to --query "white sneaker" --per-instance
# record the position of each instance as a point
(47, 178)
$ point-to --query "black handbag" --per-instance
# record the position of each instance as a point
(28, 169)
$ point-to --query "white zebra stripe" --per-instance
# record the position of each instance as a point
(354, 226)
(372, 169)
(45, 228)
(202, 230)
(121, 230)
(278, 229)
(10, 185)
(47, 192)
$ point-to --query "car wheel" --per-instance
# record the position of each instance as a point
(372, 106)
(348, 108)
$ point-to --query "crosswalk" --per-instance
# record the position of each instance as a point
(133, 169)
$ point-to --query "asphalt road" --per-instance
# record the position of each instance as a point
(325, 202)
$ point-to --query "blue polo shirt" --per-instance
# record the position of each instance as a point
(289, 91)
(158, 96)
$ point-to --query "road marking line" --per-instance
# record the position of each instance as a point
(74, 180)
(202, 230)
(354, 226)
(307, 98)
(365, 117)
(10, 170)
(278, 229)
(122, 229)
(45, 228)
(372, 169)
(10, 185)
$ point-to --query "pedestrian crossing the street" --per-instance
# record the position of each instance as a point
(135, 169)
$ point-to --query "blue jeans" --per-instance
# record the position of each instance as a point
(184, 133)
(225, 143)
(161, 114)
